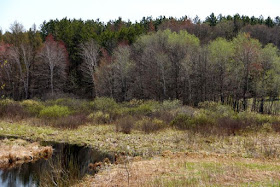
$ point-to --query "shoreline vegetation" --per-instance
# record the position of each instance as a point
(151, 134)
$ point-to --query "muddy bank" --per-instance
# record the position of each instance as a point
(16, 152)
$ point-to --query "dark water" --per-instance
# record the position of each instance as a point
(68, 164)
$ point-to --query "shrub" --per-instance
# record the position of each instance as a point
(77, 105)
(183, 122)
(143, 109)
(165, 116)
(267, 127)
(69, 122)
(148, 125)
(135, 102)
(125, 124)
(12, 109)
(146, 108)
(171, 104)
(229, 126)
(54, 112)
(104, 104)
(183, 110)
(199, 121)
(32, 107)
(99, 117)
(202, 119)
(210, 105)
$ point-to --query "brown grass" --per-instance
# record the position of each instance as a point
(17, 152)
(189, 169)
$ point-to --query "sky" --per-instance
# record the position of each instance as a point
(28, 12)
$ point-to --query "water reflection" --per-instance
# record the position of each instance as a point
(68, 164)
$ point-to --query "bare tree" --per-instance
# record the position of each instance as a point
(53, 63)
(89, 52)
(22, 58)
(122, 66)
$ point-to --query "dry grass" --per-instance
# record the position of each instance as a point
(189, 169)
(16, 152)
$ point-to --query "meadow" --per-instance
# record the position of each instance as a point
(155, 143)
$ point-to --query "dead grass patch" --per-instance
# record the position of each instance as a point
(17, 152)
(189, 169)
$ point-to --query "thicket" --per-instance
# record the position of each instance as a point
(139, 115)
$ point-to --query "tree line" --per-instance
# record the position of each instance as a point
(227, 59)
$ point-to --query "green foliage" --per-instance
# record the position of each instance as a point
(171, 104)
(183, 122)
(216, 110)
(210, 105)
(5, 102)
(77, 105)
(54, 112)
(104, 104)
(32, 107)
(146, 108)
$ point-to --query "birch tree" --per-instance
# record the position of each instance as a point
(53, 61)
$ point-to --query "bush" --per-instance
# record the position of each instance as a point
(146, 108)
(77, 105)
(183, 122)
(12, 109)
(54, 112)
(229, 126)
(198, 122)
(125, 124)
(148, 125)
(171, 104)
(70, 122)
(183, 110)
(104, 104)
(32, 107)
(99, 117)
(210, 105)
(165, 116)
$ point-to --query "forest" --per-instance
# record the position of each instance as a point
(229, 59)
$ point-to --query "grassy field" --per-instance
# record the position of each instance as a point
(189, 169)
(161, 144)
